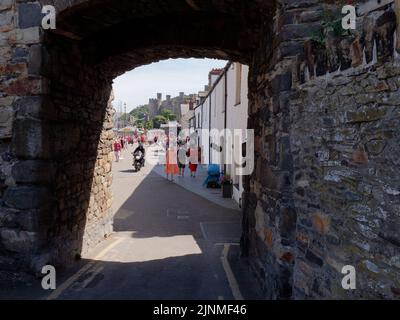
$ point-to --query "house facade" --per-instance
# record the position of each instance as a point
(224, 110)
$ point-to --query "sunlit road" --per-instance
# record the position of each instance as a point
(169, 243)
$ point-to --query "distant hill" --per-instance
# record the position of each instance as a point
(140, 112)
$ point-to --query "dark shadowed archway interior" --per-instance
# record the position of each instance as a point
(94, 42)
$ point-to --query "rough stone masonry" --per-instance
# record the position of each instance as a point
(324, 105)
(326, 189)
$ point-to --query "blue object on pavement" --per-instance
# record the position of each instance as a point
(213, 177)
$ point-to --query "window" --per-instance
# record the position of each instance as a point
(238, 68)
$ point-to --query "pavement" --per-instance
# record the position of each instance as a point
(193, 184)
(170, 242)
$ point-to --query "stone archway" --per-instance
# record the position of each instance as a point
(321, 195)
(60, 144)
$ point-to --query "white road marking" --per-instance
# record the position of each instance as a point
(56, 293)
(224, 243)
(203, 231)
(229, 274)
(88, 280)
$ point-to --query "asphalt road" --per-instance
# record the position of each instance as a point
(169, 243)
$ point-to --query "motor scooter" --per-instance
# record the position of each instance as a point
(138, 161)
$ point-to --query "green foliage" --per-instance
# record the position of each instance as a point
(226, 178)
(141, 115)
(168, 114)
(149, 125)
(158, 121)
(140, 112)
(331, 24)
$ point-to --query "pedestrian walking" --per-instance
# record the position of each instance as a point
(181, 153)
(171, 166)
(117, 150)
(194, 159)
(121, 147)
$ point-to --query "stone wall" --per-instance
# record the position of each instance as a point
(24, 178)
(345, 140)
(55, 146)
(81, 150)
(323, 105)
(325, 193)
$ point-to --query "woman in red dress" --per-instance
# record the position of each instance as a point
(171, 166)
(194, 158)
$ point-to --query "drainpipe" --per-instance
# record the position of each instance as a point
(225, 114)
(209, 130)
(201, 123)
(397, 12)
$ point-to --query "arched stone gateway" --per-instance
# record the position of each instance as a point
(324, 105)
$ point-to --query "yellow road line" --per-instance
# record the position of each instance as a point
(108, 248)
(56, 293)
(229, 274)
(95, 272)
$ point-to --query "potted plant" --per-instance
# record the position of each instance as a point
(227, 186)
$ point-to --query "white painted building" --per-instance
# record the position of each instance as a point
(237, 117)
(224, 107)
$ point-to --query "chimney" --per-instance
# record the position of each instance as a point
(206, 87)
(159, 96)
(168, 97)
(181, 95)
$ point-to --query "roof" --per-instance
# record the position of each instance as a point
(225, 69)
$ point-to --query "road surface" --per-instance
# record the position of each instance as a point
(169, 243)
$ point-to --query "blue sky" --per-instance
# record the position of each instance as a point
(168, 77)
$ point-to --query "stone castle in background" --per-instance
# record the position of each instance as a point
(156, 105)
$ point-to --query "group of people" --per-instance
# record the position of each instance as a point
(177, 159)
(122, 142)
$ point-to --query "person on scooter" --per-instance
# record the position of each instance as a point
(140, 149)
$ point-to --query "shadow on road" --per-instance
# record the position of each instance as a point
(161, 208)
(188, 277)
(170, 244)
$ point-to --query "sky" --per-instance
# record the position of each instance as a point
(168, 77)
